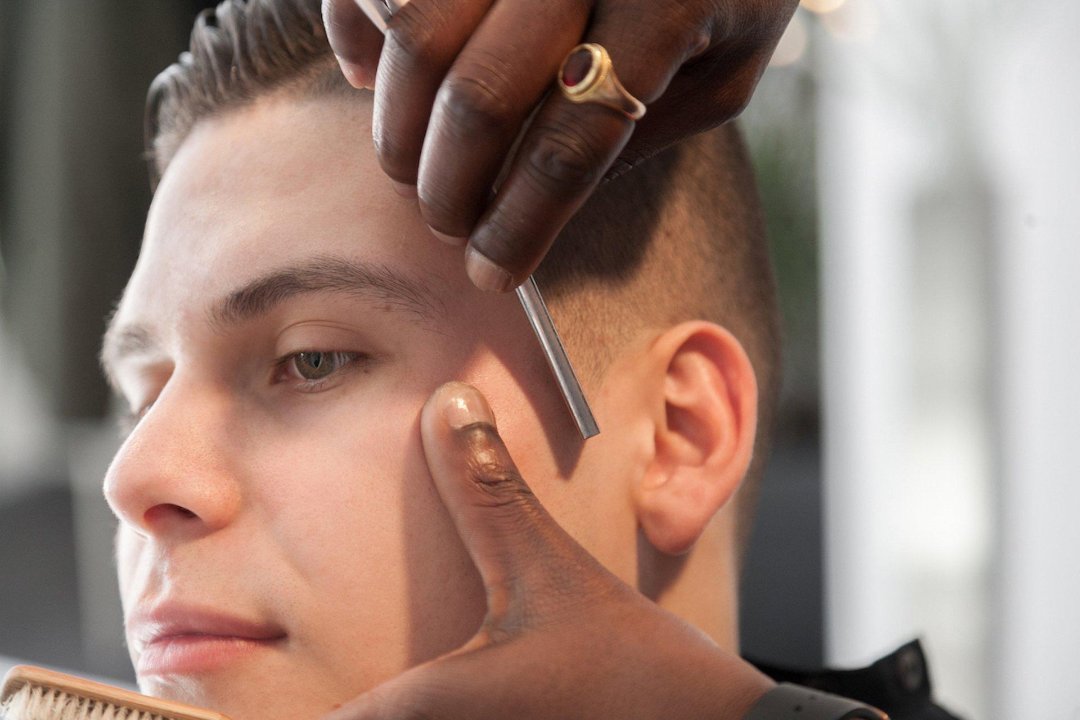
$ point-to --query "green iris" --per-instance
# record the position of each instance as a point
(316, 365)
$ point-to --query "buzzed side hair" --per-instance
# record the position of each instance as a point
(680, 237)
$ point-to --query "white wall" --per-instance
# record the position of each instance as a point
(951, 250)
(1031, 119)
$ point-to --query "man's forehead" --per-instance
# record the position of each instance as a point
(280, 183)
(252, 211)
(280, 144)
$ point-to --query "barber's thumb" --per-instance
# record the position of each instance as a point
(507, 532)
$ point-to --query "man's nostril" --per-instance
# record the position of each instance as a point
(165, 511)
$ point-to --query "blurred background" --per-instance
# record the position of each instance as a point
(920, 166)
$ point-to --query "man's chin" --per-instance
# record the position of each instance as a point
(247, 694)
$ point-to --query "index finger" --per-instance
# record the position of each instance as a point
(569, 146)
(558, 166)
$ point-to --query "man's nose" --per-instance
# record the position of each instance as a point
(173, 477)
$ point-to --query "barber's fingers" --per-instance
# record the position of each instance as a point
(422, 40)
(354, 39)
(569, 147)
(496, 81)
(699, 98)
(519, 550)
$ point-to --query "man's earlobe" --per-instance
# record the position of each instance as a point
(705, 402)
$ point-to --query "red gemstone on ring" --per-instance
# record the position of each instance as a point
(576, 67)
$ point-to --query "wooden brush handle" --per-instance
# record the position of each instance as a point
(23, 675)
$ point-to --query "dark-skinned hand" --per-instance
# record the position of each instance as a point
(563, 638)
(460, 80)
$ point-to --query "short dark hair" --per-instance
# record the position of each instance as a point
(679, 237)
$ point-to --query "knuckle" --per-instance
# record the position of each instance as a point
(561, 160)
(690, 27)
(499, 483)
(415, 38)
(473, 104)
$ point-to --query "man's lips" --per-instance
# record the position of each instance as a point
(172, 639)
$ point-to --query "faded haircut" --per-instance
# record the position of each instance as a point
(679, 237)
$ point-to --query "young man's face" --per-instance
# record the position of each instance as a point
(281, 547)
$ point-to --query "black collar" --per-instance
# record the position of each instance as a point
(898, 683)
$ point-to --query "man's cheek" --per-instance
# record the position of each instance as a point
(335, 490)
(128, 549)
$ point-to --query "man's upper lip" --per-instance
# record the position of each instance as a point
(151, 624)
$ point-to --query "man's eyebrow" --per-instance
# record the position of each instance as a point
(325, 274)
(328, 274)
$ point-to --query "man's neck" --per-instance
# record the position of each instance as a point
(701, 587)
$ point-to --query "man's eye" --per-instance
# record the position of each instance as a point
(311, 366)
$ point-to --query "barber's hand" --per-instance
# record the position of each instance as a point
(458, 79)
(563, 638)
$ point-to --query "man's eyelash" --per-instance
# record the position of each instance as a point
(345, 360)
(127, 420)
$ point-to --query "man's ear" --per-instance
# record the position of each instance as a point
(704, 398)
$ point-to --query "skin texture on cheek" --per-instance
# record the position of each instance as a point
(362, 527)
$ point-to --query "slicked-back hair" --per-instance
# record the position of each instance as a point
(680, 237)
(239, 51)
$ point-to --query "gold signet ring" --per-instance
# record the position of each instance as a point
(587, 75)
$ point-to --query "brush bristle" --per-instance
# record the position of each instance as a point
(33, 702)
